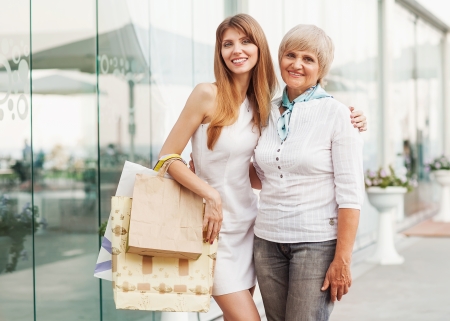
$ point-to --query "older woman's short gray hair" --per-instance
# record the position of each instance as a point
(311, 38)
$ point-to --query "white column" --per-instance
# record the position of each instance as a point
(446, 92)
(386, 201)
(443, 178)
(242, 6)
(400, 215)
(233, 7)
(386, 38)
(385, 252)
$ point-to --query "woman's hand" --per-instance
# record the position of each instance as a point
(338, 279)
(191, 164)
(358, 119)
(212, 221)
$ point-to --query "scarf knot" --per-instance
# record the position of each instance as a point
(315, 92)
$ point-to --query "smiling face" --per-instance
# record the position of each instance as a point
(238, 52)
(300, 71)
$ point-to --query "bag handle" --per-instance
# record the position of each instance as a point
(165, 158)
(165, 167)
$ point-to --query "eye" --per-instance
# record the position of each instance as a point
(227, 44)
(246, 41)
(290, 55)
(309, 59)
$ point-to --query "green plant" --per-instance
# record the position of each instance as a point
(439, 163)
(17, 226)
(102, 228)
(388, 177)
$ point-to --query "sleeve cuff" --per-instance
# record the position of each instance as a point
(348, 205)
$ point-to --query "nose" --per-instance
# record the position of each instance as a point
(237, 50)
(297, 64)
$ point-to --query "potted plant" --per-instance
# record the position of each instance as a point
(385, 190)
(14, 227)
(440, 169)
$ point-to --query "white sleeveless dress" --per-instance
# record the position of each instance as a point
(226, 169)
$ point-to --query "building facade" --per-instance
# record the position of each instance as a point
(86, 85)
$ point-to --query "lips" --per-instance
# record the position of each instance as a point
(295, 74)
(239, 61)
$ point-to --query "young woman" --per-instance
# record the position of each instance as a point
(224, 120)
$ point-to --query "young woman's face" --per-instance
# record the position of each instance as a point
(299, 70)
(238, 52)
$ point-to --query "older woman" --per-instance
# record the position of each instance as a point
(309, 160)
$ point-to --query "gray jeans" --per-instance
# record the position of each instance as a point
(290, 276)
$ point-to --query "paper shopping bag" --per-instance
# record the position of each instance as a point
(166, 218)
(124, 188)
(157, 283)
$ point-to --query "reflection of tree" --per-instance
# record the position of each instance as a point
(89, 178)
(16, 225)
(112, 157)
(22, 170)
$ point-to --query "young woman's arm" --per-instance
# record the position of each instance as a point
(199, 108)
(358, 119)
(255, 181)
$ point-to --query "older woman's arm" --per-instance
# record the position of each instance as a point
(346, 153)
(339, 274)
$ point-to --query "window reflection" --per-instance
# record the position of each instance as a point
(418, 106)
(16, 212)
(64, 133)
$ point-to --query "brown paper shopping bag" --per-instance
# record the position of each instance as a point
(157, 283)
(166, 220)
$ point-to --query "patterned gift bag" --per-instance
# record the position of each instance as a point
(125, 188)
(157, 283)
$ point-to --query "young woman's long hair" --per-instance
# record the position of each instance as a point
(263, 82)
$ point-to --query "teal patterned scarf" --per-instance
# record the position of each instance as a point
(315, 92)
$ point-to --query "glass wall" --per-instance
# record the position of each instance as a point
(16, 164)
(418, 133)
(148, 64)
(124, 107)
(86, 85)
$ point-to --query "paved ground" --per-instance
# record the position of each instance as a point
(418, 290)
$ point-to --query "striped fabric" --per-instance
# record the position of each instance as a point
(306, 178)
(104, 263)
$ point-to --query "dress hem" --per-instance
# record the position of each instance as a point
(229, 291)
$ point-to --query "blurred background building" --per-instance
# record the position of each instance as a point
(86, 85)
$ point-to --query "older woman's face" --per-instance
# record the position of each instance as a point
(299, 70)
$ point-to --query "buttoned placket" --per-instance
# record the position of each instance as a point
(279, 149)
(278, 158)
